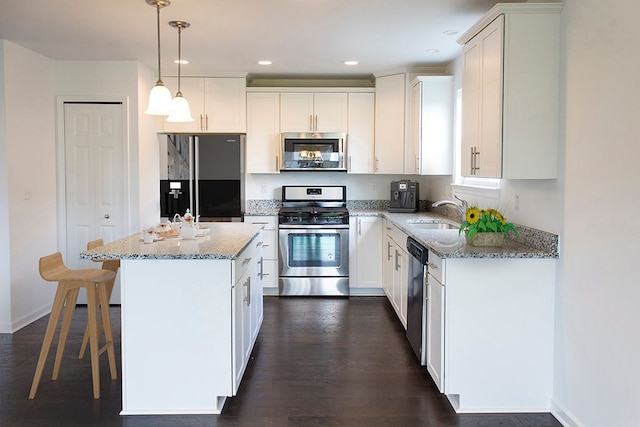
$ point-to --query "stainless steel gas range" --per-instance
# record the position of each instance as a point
(313, 243)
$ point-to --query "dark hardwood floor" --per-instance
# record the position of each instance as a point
(317, 362)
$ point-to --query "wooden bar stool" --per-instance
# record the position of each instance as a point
(107, 264)
(52, 269)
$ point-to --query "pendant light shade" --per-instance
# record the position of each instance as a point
(160, 96)
(180, 111)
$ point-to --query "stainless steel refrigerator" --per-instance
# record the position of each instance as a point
(203, 173)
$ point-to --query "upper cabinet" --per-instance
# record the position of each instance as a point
(313, 112)
(360, 132)
(390, 124)
(432, 125)
(263, 132)
(510, 92)
(218, 104)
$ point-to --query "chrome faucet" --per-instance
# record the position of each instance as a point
(460, 207)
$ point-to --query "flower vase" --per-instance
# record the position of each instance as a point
(486, 240)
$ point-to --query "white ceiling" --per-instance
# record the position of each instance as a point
(301, 37)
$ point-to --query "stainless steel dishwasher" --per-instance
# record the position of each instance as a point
(416, 303)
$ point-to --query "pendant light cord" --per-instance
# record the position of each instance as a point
(158, 27)
(179, 57)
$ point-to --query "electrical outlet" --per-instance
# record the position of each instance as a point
(374, 188)
(516, 202)
(263, 188)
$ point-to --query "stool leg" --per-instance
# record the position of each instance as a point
(69, 307)
(85, 338)
(93, 339)
(103, 292)
(56, 309)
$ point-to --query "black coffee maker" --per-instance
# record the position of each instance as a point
(404, 196)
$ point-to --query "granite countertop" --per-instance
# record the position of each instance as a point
(532, 243)
(225, 240)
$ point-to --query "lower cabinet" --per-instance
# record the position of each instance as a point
(435, 320)
(247, 308)
(396, 270)
(365, 251)
(490, 332)
(270, 250)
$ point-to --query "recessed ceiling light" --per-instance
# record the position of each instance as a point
(350, 62)
(432, 51)
(451, 32)
(182, 61)
(265, 62)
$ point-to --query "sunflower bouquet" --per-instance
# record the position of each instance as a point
(485, 221)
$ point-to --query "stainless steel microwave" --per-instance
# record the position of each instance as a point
(307, 151)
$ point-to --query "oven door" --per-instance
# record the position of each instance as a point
(313, 251)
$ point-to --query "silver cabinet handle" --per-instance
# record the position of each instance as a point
(417, 164)
(388, 251)
(247, 284)
(107, 216)
(432, 265)
(258, 244)
(349, 168)
(310, 122)
(206, 122)
(261, 272)
(277, 163)
(201, 125)
(397, 255)
(246, 261)
(359, 227)
(377, 164)
(315, 124)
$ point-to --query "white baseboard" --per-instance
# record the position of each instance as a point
(20, 323)
(366, 292)
(565, 416)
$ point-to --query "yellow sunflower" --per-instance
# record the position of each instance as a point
(473, 215)
(500, 218)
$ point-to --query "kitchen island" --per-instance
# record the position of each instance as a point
(191, 312)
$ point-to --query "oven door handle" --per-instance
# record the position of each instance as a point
(326, 227)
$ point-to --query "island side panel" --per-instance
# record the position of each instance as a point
(499, 334)
(176, 336)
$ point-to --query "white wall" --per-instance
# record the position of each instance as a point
(597, 379)
(5, 255)
(28, 186)
(359, 187)
(131, 80)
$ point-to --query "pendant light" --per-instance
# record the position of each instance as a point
(160, 96)
(180, 111)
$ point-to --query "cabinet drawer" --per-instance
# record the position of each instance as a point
(270, 273)
(269, 234)
(397, 235)
(436, 267)
(249, 256)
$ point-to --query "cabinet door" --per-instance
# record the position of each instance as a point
(263, 132)
(367, 250)
(360, 133)
(435, 327)
(257, 301)
(193, 91)
(296, 112)
(482, 103)
(389, 124)
(402, 286)
(240, 326)
(330, 112)
(432, 125)
(225, 105)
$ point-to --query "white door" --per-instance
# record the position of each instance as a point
(94, 171)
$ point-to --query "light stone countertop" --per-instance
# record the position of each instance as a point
(226, 240)
(450, 244)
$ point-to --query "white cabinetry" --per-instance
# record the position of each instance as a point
(263, 132)
(365, 253)
(313, 112)
(269, 250)
(390, 124)
(490, 332)
(510, 92)
(218, 104)
(247, 306)
(396, 272)
(431, 126)
(435, 320)
(360, 141)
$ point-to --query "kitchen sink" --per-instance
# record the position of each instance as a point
(433, 226)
